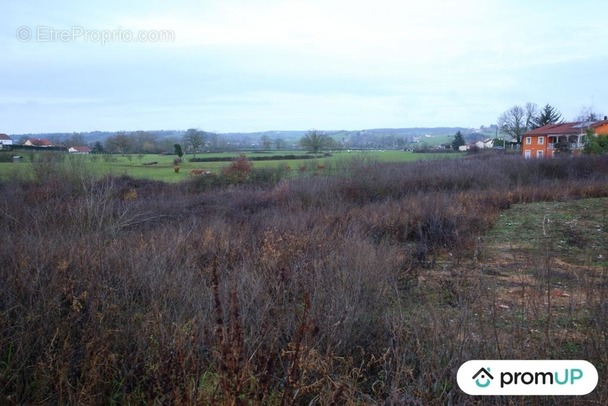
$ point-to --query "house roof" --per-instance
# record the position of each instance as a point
(562, 128)
(82, 148)
(39, 141)
(576, 127)
(5, 137)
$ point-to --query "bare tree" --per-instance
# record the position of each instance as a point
(194, 140)
(279, 143)
(513, 122)
(265, 142)
(314, 141)
(215, 141)
(531, 114)
(588, 113)
(121, 141)
(74, 140)
(145, 142)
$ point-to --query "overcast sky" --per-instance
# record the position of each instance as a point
(228, 65)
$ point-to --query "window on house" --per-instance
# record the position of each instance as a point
(528, 154)
(528, 140)
(539, 154)
(541, 140)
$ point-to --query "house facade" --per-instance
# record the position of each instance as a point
(5, 141)
(549, 139)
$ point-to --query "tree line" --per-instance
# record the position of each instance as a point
(196, 141)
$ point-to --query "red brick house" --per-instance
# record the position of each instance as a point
(542, 142)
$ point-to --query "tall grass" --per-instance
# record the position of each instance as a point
(317, 289)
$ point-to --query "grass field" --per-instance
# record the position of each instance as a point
(577, 230)
(135, 165)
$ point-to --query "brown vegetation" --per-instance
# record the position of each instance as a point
(360, 287)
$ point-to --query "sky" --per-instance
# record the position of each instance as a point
(244, 66)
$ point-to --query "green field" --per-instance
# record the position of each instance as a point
(136, 165)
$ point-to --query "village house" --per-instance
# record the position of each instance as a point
(485, 143)
(80, 150)
(38, 142)
(5, 141)
(551, 138)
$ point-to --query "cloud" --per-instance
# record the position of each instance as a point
(288, 63)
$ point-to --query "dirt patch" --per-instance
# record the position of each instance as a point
(539, 291)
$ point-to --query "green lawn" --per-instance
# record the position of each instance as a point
(163, 169)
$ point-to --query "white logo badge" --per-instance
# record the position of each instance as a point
(515, 377)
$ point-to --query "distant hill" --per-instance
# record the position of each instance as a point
(93, 136)
(390, 138)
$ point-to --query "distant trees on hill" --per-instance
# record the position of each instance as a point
(163, 141)
(138, 142)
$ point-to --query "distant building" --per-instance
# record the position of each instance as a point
(38, 142)
(80, 150)
(5, 140)
(545, 141)
(486, 143)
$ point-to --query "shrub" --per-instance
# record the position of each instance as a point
(342, 289)
(6, 156)
(239, 170)
(264, 176)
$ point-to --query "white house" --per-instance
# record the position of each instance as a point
(5, 140)
(487, 143)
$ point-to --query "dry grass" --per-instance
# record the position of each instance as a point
(372, 285)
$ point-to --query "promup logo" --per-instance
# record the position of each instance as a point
(485, 376)
(511, 377)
